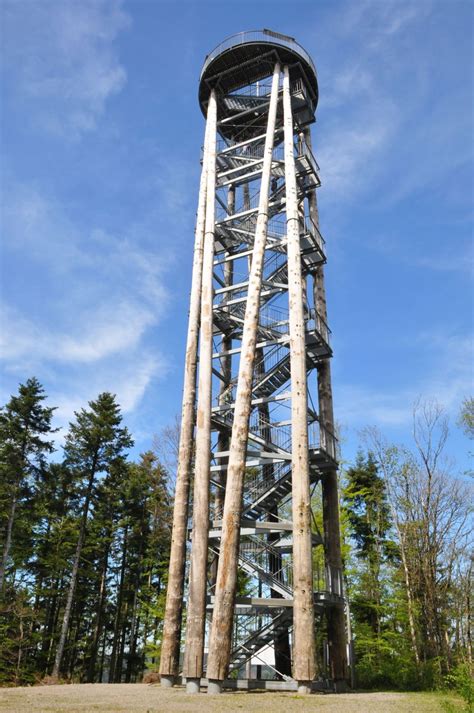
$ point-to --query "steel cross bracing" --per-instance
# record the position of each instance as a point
(265, 555)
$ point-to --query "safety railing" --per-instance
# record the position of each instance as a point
(317, 323)
(327, 578)
(274, 263)
(273, 434)
(310, 228)
(321, 438)
(280, 567)
(253, 36)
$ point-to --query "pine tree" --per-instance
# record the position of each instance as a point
(368, 514)
(25, 424)
(95, 442)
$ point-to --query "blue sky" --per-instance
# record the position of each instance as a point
(101, 136)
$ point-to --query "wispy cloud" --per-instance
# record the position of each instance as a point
(99, 298)
(128, 380)
(362, 114)
(448, 377)
(459, 260)
(350, 154)
(455, 255)
(62, 60)
(93, 336)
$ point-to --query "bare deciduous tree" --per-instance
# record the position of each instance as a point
(432, 515)
(166, 447)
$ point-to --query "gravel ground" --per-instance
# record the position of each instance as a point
(143, 698)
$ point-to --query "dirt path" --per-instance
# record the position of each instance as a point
(142, 698)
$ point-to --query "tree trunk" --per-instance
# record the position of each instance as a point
(74, 573)
(8, 541)
(337, 638)
(118, 613)
(223, 615)
(304, 651)
(98, 621)
(169, 662)
(226, 372)
(196, 611)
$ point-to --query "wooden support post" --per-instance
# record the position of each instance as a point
(196, 611)
(169, 664)
(223, 615)
(332, 536)
(304, 659)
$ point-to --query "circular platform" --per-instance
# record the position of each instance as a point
(247, 57)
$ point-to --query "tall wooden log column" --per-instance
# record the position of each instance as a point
(332, 538)
(169, 664)
(223, 615)
(304, 654)
(196, 610)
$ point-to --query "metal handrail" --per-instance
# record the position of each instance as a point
(251, 36)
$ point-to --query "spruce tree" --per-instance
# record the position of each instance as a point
(95, 443)
(368, 514)
(25, 424)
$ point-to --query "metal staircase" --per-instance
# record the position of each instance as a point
(259, 638)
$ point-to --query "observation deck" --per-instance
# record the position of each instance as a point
(247, 58)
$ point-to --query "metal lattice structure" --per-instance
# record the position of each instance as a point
(264, 432)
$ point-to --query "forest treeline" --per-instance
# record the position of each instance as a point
(85, 543)
(85, 536)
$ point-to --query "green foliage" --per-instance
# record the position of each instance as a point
(122, 512)
(96, 440)
(369, 525)
(384, 661)
(466, 417)
(18, 639)
(460, 679)
(25, 424)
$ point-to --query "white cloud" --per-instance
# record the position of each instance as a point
(62, 60)
(350, 155)
(86, 322)
(93, 335)
(448, 380)
(461, 260)
(361, 111)
(127, 379)
(376, 21)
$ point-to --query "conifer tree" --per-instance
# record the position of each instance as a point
(368, 514)
(25, 424)
(95, 442)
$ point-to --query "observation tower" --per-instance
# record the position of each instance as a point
(256, 511)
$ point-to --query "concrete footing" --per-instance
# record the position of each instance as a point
(214, 687)
(193, 685)
(167, 681)
(304, 688)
